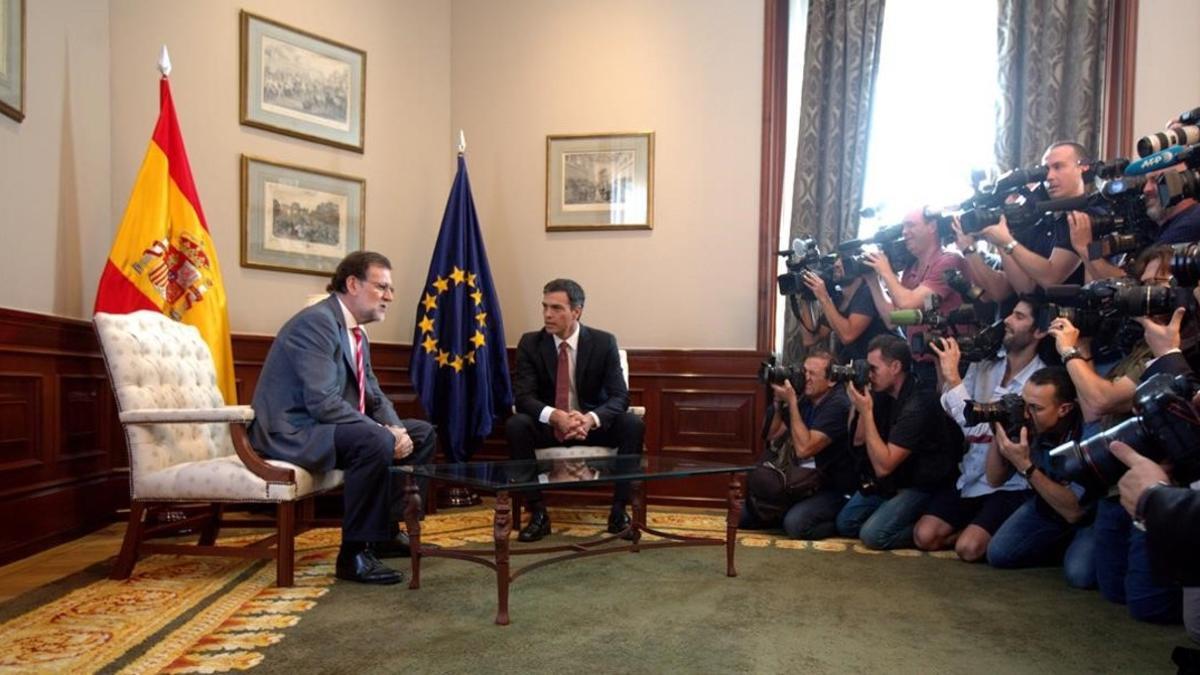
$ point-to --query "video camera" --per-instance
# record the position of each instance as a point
(889, 240)
(1122, 297)
(1008, 412)
(1165, 428)
(805, 257)
(982, 346)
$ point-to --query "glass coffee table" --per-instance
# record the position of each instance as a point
(508, 477)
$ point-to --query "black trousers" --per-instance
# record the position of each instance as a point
(372, 496)
(525, 434)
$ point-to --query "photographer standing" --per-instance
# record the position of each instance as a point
(810, 432)
(902, 447)
(1054, 518)
(924, 278)
(853, 318)
(1041, 255)
(967, 515)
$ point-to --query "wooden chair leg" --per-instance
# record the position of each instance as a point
(285, 547)
(133, 540)
(208, 533)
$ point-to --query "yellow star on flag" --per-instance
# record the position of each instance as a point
(457, 275)
(441, 284)
(471, 356)
(478, 339)
(481, 318)
(429, 344)
(443, 358)
(426, 324)
(478, 296)
(430, 302)
(471, 279)
(457, 364)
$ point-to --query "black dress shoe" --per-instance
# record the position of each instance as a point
(396, 547)
(365, 568)
(618, 523)
(538, 527)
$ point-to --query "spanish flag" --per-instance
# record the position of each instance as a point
(163, 257)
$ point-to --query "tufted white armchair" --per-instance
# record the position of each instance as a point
(187, 446)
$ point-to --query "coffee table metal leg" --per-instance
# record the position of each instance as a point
(412, 521)
(501, 529)
(731, 522)
(639, 513)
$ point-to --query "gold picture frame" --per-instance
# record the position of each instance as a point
(12, 58)
(601, 181)
(302, 85)
(299, 219)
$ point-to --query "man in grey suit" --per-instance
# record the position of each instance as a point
(569, 389)
(318, 405)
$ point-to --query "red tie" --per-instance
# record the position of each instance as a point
(358, 366)
(562, 383)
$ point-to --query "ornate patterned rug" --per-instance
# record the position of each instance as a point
(181, 614)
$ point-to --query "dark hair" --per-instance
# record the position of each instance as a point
(356, 265)
(893, 348)
(1162, 254)
(1064, 388)
(1081, 153)
(1034, 301)
(573, 290)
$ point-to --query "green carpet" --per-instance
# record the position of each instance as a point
(674, 611)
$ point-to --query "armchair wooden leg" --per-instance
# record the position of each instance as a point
(208, 533)
(285, 545)
(133, 539)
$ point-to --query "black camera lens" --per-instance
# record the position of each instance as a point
(1090, 460)
(1185, 264)
(856, 372)
(1008, 412)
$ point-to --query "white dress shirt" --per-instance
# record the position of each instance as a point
(572, 349)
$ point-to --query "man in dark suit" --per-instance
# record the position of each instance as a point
(570, 390)
(318, 405)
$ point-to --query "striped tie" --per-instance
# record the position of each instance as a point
(358, 366)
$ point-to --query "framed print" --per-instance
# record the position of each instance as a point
(600, 182)
(12, 58)
(299, 220)
(302, 85)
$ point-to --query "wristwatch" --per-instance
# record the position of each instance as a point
(969, 250)
(1027, 474)
(1071, 353)
(1010, 247)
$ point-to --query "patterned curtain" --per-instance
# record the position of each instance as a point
(841, 58)
(1051, 76)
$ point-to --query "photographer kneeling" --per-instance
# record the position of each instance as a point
(808, 432)
(967, 514)
(903, 447)
(1053, 524)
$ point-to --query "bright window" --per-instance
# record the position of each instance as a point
(933, 119)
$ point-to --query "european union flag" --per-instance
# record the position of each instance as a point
(459, 364)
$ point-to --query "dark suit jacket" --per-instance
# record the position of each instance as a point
(599, 382)
(308, 385)
(1172, 516)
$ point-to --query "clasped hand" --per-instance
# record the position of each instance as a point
(404, 444)
(573, 425)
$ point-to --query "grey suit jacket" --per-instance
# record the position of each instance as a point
(308, 386)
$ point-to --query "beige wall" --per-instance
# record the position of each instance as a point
(54, 166)
(408, 161)
(1167, 81)
(689, 70)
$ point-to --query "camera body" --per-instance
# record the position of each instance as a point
(856, 372)
(1008, 412)
(805, 257)
(1165, 428)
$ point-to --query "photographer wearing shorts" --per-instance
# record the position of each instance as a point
(1053, 524)
(809, 430)
(967, 515)
(901, 446)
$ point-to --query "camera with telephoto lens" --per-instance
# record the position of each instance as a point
(983, 346)
(856, 372)
(1185, 264)
(1008, 412)
(1121, 297)
(959, 283)
(1188, 134)
(1166, 428)
(769, 372)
